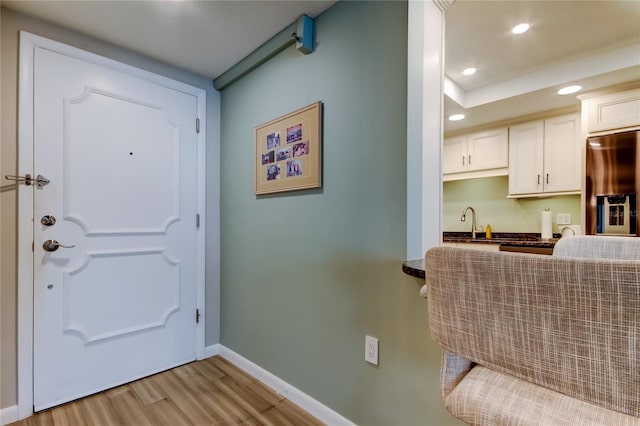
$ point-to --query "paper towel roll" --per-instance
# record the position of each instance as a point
(546, 225)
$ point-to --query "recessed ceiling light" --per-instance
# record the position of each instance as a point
(520, 28)
(456, 117)
(569, 90)
(469, 71)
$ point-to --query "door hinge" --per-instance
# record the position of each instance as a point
(33, 246)
(198, 221)
(197, 125)
(197, 315)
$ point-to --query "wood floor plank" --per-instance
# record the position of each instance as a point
(117, 390)
(243, 396)
(245, 399)
(166, 413)
(297, 414)
(223, 408)
(193, 378)
(44, 419)
(277, 417)
(130, 410)
(98, 411)
(224, 412)
(251, 422)
(208, 369)
(188, 402)
(146, 392)
(204, 393)
(233, 371)
(68, 414)
(266, 393)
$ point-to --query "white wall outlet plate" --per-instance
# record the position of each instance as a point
(371, 350)
(563, 218)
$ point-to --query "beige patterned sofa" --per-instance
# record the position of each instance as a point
(539, 340)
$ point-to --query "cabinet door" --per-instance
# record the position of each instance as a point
(562, 159)
(454, 155)
(614, 111)
(526, 158)
(488, 150)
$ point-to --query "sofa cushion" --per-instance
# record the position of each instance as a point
(596, 246)
(487, 397)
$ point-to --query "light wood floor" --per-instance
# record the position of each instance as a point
(208, 392)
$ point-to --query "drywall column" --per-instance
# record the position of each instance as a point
(425, 77)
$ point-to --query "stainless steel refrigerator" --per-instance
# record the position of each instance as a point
(613, 184)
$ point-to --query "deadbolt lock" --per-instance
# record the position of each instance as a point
(48, 220)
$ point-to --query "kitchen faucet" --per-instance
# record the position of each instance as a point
(463, 218)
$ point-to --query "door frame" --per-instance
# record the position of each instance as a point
(28, 43)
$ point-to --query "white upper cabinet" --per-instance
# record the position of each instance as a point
(479, 154)
(526, 161)
(454, 155)
(617, 111)
(562, 159)
(544, 157)
(488, 150)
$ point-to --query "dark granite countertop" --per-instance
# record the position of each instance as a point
(416, 268)
(511, 238)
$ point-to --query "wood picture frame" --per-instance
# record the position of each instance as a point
(288, 152)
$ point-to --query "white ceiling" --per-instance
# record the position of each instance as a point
(591, 43)
(595, 43)
(205, 37)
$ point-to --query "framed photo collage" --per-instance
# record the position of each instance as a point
(288, 152)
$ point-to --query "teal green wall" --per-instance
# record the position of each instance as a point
(488, 197)
(306, 275)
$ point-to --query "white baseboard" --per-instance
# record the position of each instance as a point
(8, 415)
(212, 350)
(301, 399)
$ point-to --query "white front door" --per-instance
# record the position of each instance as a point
(119, 302)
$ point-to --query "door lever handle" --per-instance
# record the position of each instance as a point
(53, 245)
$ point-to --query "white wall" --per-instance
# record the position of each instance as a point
(424, 127)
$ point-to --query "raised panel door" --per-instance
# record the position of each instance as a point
(562, 159)
(526, 158)
(454, 155)
(121, 155)
(488, 150)
(615, 111)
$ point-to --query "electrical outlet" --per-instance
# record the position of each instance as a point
(371, 350)
(563, 218)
